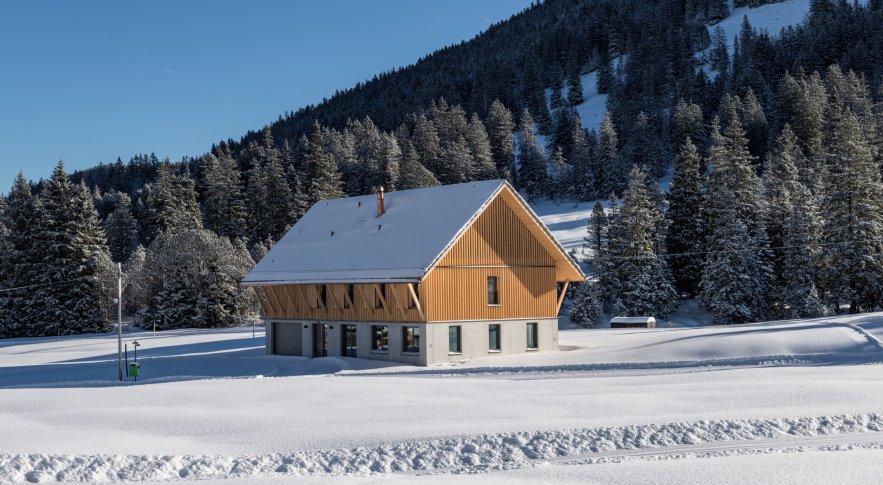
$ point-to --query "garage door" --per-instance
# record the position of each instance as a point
(286, 338)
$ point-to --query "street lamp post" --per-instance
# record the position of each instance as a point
(120, 321)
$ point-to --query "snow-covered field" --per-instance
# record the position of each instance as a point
(212, 405)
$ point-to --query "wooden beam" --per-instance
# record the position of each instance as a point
(262, 297)
(399, 302)
(382, 297)
(285, 291)
(346, 297)
(274, 302)
(365, 301)
(318, 293)
(561, 297)
(416, 301)
(330, 289)
(303, 296)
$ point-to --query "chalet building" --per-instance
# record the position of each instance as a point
(420, 276)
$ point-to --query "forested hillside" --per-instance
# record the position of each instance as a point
(774, 142)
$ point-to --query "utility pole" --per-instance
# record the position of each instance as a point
(120, 321)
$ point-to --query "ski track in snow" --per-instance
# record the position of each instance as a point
(471, 454)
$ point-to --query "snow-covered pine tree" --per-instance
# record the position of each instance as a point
(427, 144)
(560, 176)
(574, 88)
(483, 167)
(852, 211)
(322, 174)
(686, 233)
(733, 191)
(223, 207)
(610, 175)
(782, 191)
(191, 278)
(413, 174)
(171, 203)
(687, 122)
(19, 260)
(645, 287)
(74, 259)
(586, 308)
(532, 172)
(597, 228)
(799, 296)
(500, 127)
(731, 287)
(121, 228)
(581, 160)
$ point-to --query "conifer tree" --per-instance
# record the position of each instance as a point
(609, 175)
(597, 227)
(799, 296)
(74, 259)
(532, 173)
(852, 231)
(171, 203)
(483, 167)
(19, 260)
(223, 207)
(574, 88)
(685, 234)
(121, 228)
(414, 174)
(500, 128)
(586, 308)
(581, 163)
(560, 184)
(322, 173)
(645, 287)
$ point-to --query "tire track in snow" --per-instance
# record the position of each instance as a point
(489, 451)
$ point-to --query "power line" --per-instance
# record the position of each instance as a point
(43, 285)
(757, 249)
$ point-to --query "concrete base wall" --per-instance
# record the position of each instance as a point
(434, 348)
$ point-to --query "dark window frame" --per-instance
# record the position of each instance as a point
(415, 334)
(535, 334)
(459, 340)
(381, 345)
(497, 330)
(493, 291)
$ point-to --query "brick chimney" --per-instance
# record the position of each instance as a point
(380, 209)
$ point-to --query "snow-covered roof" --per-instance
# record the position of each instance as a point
(343, 240)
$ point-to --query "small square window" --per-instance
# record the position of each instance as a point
(411, 340)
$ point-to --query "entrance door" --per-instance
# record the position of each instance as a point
(320, 340)
(348, 340)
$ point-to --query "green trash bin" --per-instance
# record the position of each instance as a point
(133, 369)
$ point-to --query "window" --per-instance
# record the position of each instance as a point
(349, 340)
(411, 340)
(352, 296)
(454, 346)
(379, 338)
(532, 336)
(379, 294)
(493, 337)
(493, 296)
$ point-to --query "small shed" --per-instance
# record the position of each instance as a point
(632, 322)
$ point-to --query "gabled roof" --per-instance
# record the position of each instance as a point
(342, 240)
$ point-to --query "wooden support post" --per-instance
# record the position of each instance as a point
(346, 297)
(416, 301)
(561, 297)
(365, 301)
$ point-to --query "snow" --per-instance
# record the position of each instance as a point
(212, 405)
(771, 17)
(343, 240)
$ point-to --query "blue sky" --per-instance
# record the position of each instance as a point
(89, 81)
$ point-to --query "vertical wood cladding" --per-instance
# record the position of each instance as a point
(498, 243)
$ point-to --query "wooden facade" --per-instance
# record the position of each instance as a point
(504, 241)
